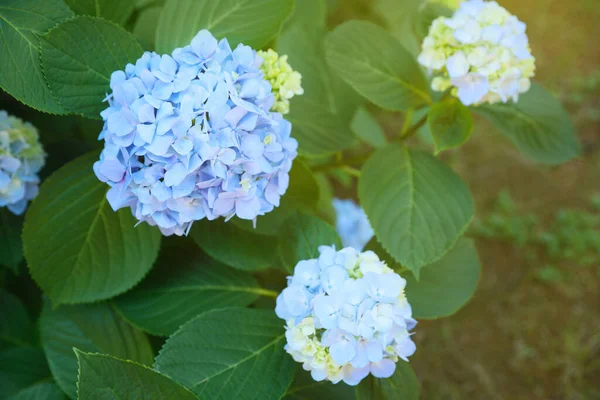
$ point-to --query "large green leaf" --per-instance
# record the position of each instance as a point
(20, 369)
(234, 246)
(376, 66)
(15, 324)
(177, 291)
(446, 285)
(39, 391)
(450, 123)
(113, 10)
(77, 248)
(301, 237)
(252, 22)
(321, 116)
(11, 247)
(93, 328)
(102, 377)
(20, 67)
(418, 207)
(402, 385)
(78, 57)
(232, 353)
(537, 124)
(305, 387)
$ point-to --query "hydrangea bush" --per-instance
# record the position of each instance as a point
(206, 219)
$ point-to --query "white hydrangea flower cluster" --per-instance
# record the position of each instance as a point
(481, 53)
(347, 316)
(21, 158)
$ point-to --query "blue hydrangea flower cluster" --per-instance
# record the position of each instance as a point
(347, 316)
(352, 224)
(21, 158)
(190, 136)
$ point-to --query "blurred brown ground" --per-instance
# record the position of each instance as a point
(520, 338)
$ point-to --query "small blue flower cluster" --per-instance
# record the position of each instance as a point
(21, 158)
(191, 136)
(352, 224)
(347, 316)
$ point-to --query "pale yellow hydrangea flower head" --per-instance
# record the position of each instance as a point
(286, 82)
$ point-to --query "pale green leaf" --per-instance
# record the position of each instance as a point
(102, 377)
(39, 391)
(145, 26)
(77, 248)
(232, 353)
(20, 67)
(309, 13)
(301, 237)
(537, 124)
(93, 328)
(170, 297)
(15, 324)
(319, 119)
(376, 66)
(321, 116)
(11, 247)
(113, 10)
(402, 385)
(418, 207)
(446, 285)
(251, 22)
(20, 369)
(78, 57)
(233, 246)
(450, 123)
(367, 129)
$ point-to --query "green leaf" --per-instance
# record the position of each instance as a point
(367, 129)
(145, 26)
(446, 285)
(402, 385)
(104, 377)
(40, 391)
(302, 193)
(232, 353)
(77, 248)
(233, 246)
(21, 368)
(309, 13)
(113, 10)
(11, 247)
(93, 328)
(78, 57)
(320, 117)
(418, 207)
(301, 237)
(15, 324)
(20, 67)
(450, 123)
(252, 22)
(537, 124)
(305, 387)
(170, 297)
(376, 66)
